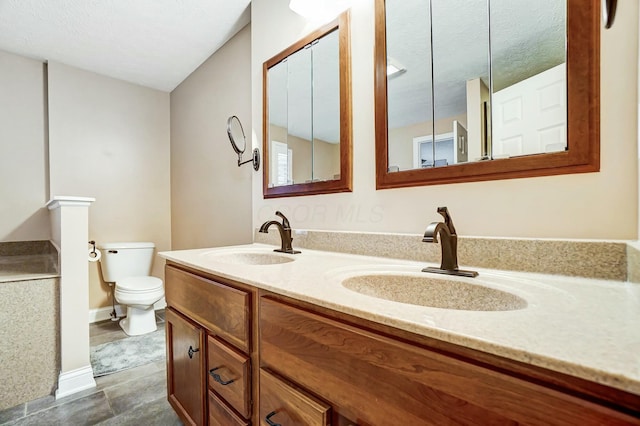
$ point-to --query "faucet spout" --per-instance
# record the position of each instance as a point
(284, 229)
(445, 232)
(264, 228)
(431, 234)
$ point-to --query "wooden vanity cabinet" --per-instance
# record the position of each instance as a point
(210, 383)
(257, 357)
(379, 379)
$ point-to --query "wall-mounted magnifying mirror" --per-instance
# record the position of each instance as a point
(239, 142)
(485, 89)
(307, 115)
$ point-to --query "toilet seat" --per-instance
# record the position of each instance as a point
(139, 285)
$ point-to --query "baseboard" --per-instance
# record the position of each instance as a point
(75, 381)
(102, 314)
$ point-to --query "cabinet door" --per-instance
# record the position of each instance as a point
(185, 368)
(286, 405)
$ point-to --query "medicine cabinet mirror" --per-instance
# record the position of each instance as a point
(307, 115)
(485, 89)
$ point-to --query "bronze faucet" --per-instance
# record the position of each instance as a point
(285, 233)
(448, 244)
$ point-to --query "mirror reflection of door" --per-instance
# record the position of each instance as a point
(509, 97)
(528, 55)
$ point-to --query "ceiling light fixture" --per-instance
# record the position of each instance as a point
(319, 10)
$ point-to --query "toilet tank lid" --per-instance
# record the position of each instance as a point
(132, 245)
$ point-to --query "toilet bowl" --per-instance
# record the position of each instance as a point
(139, 295)
(128, 265)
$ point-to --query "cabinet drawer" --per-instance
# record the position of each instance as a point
(377, 379)
(221, 415)
(283, 404)
(222, 309)
(229, 375)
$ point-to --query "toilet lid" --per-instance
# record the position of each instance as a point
(139, 284)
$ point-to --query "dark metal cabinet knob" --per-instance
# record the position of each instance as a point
(192, 351)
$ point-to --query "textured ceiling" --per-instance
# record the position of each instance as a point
(527, 37)
(154, 43)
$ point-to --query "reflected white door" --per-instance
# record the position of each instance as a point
(530, 117)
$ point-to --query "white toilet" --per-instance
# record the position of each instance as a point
(128, 265)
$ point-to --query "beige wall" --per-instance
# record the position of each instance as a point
(326, 156)
(109, 139)
(401, 139)
(23, 150)
(477, 94)
(326, 160)
(600, 205)
(210, 194)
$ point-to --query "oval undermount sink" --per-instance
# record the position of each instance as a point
(251, 258)
(435, 292)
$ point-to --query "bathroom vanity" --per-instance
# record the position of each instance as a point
(255, 337)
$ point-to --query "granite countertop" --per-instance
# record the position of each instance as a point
(586, 328)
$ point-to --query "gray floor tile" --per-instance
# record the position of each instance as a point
(135, 393)
(129, 397)
(40, 404)
(110, 331)
(83, 411)
(101, 327)
(51, 401)
(12, 413)
(158, 412)
(111, 336)
(122, 377)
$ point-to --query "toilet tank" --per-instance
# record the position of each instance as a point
(121, 260)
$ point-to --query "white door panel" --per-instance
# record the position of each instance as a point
(530, 117)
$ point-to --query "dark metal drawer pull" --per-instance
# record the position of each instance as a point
(218, 379)
(192, 351)
(268, 419)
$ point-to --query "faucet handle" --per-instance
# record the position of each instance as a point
(447, 219)
(285, 221)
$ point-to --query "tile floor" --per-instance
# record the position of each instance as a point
(137, 396)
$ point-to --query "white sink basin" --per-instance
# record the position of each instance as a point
(250, 258)
(434, 291)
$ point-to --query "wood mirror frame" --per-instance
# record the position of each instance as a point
(583, 114)
(344, 184)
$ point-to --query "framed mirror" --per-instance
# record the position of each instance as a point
(485, 90)
(307, 115)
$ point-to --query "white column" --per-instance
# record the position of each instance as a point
(70, 233)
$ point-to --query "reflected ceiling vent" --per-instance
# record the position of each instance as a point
(394, 68)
